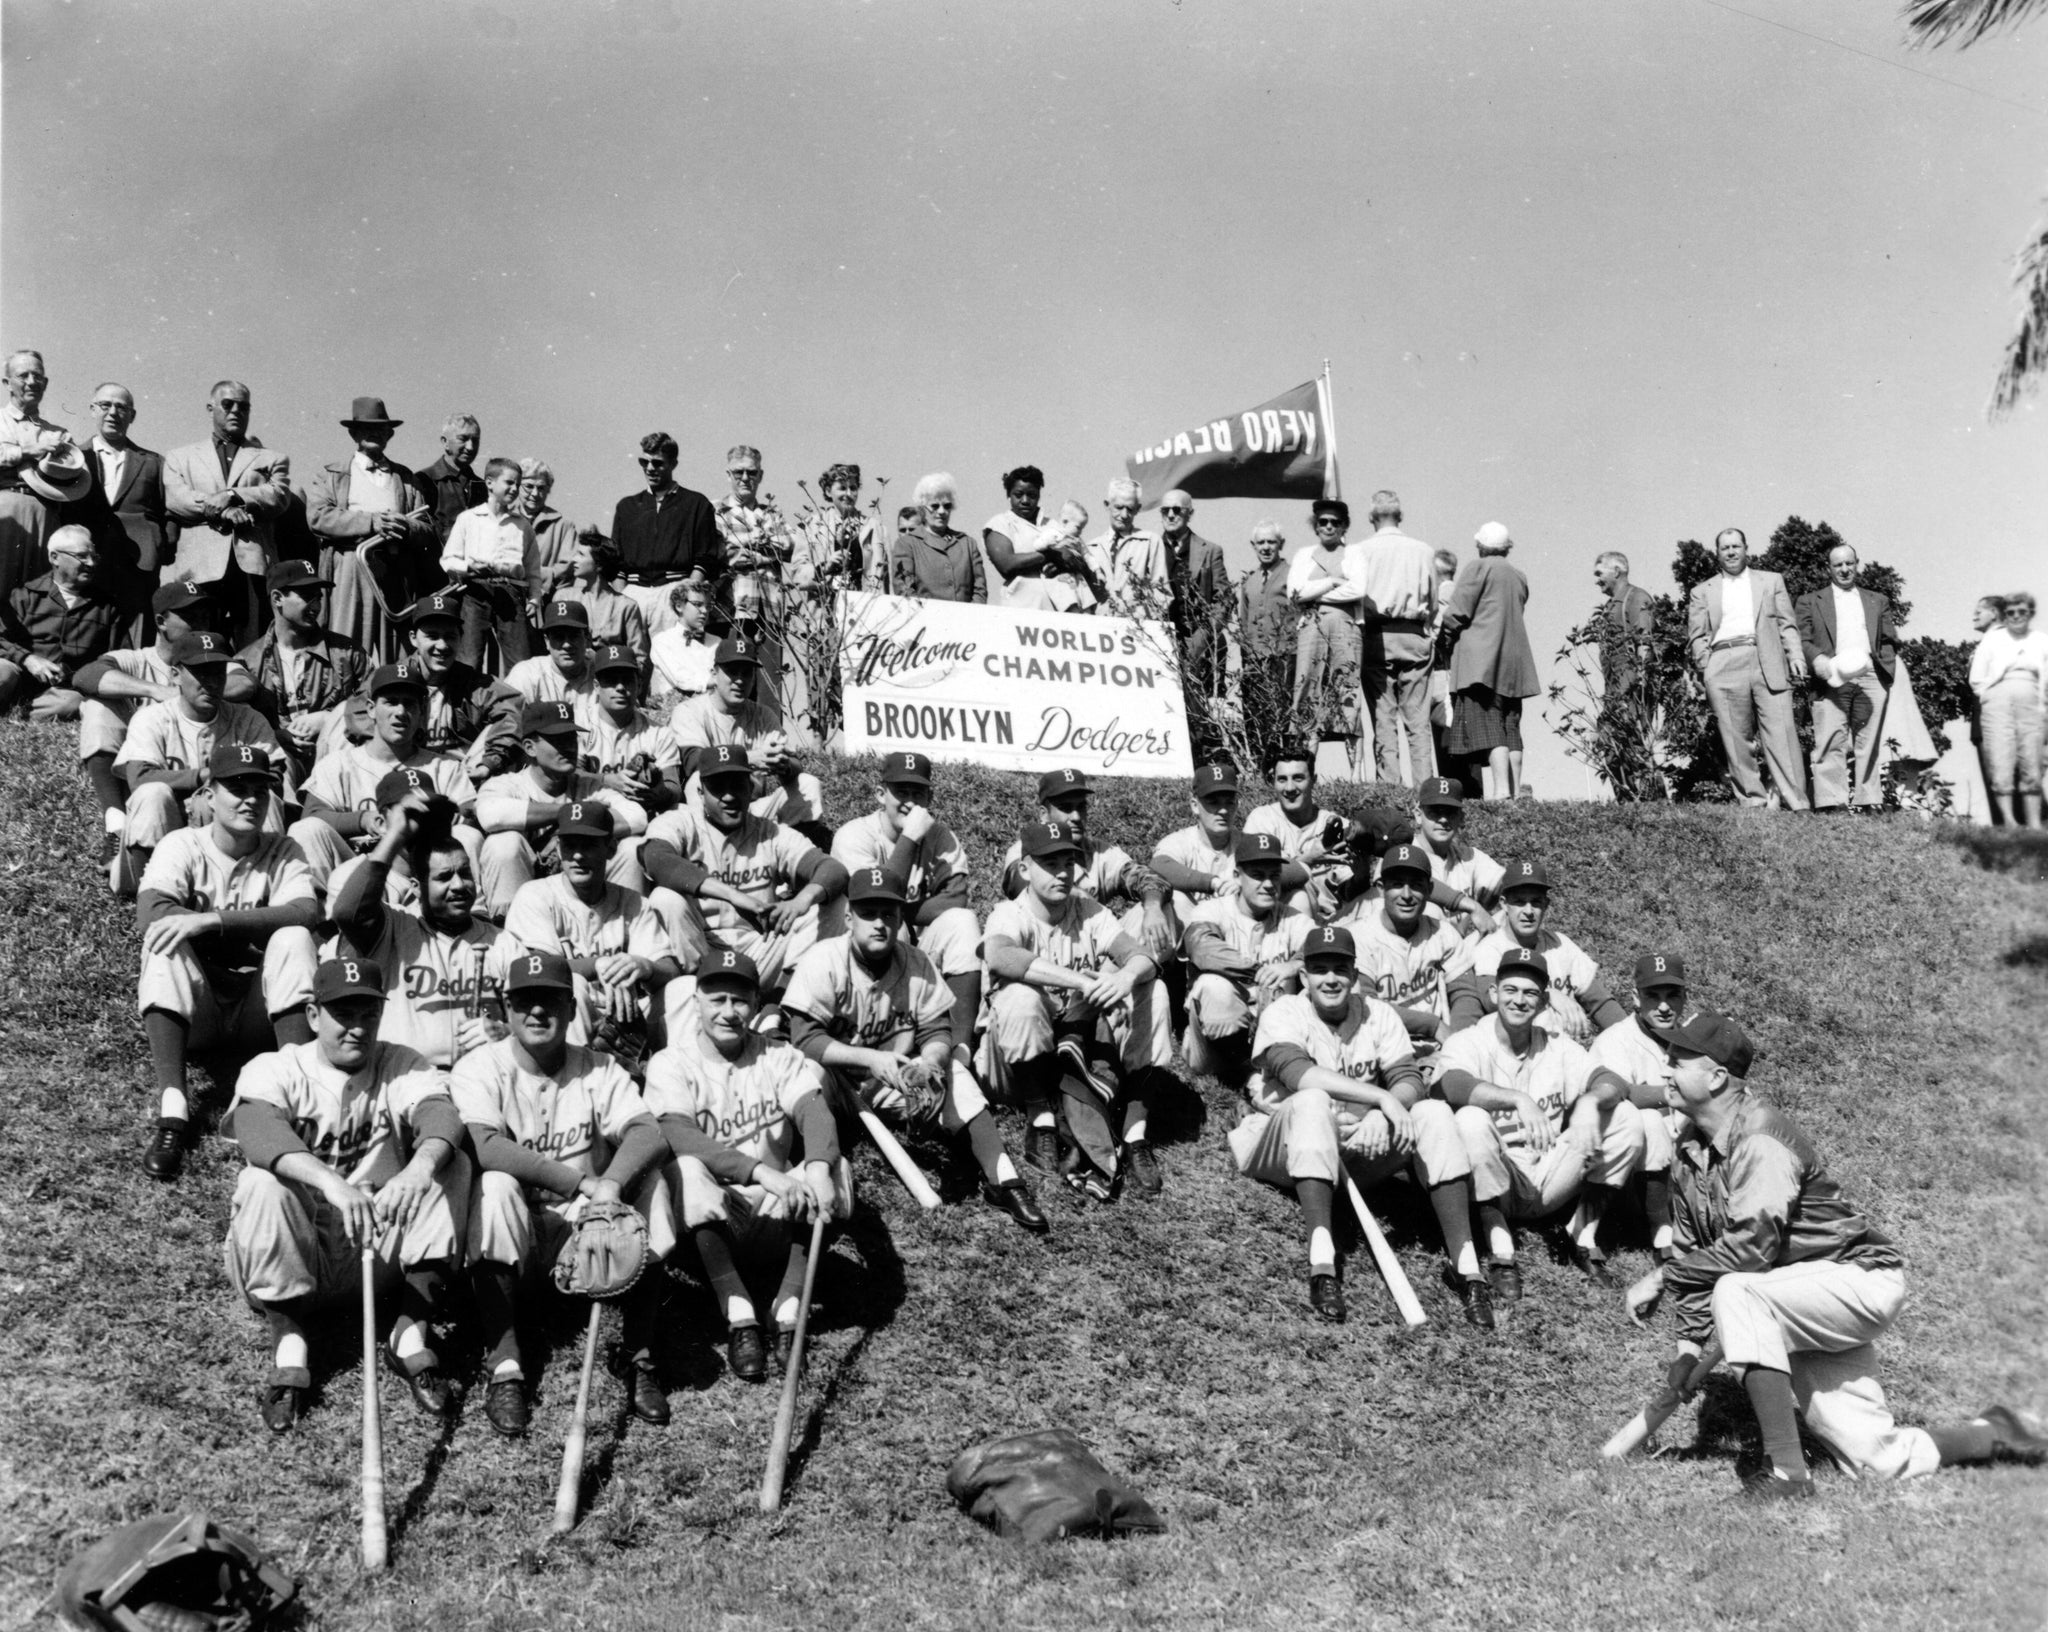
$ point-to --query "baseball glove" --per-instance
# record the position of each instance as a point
(923, 1090)
(175, 1572)
(606, 1252)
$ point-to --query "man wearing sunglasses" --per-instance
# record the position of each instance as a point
(664, 534)
(1200, 585)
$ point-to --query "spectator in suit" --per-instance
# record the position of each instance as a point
(665, 533)
(1200, 586)
(451, 481)
(1744, 639)
(125, 508)
(1266, 622)
(375, 521)
(226, 494)
(1400, 626)
(934, 561)
(53, 626)
(1626, 621)
(1126, 560)
(40, 470)
(1852, 649)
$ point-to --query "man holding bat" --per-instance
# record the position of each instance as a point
(738, 1109)
(1791, 1282)
(351, 1142)
(875, 1013)
(1337, 1082)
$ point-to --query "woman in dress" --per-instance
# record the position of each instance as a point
(1493, 667)
(615, 618)
(1038, 566)
(1326, 582)
(2009, 674)
(837, 545)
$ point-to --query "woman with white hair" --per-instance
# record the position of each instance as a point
(554, 534)
(2009, 674)
(932, 561)
(1129, 562)
(1492, 667)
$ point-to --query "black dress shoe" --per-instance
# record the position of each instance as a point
(2013, 1440)
(1475, 1295)
(166, 1152)
(650, 1404)
(282, 1405)
(505, 1406)
(785, 1346)
(1326, 1298)
(1505, 1276)
(1141, 1166)
(1015, 1198)
(747, 1354)
(1593, 1266)
(430, 1391)
(1042, 1149)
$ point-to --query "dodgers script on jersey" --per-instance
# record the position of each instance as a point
(432, 980)
(747, 1103)
(347, 778)
(906, 1000)
(358, 1123)
(547, 915)
(612, 746)
(1368, 1044)
(1410, 972)
(1554, 1073)
(576, 1116)
(753, 858)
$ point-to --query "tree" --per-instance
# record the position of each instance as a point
(1963, 23)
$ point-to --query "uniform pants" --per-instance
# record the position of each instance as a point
(103, 724)
(1021, 1027)
(1819, 1321)
(1528, 1186)
(1300, 1139)
(1843, 716)
(1750, 715)
(510, 1227)
(1660, 1139)
(1222, 1010)
(286, 1242)
(179, 985)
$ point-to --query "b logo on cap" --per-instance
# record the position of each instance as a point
(533, 963)
(728, 960)
(576, 812)
(248, 756)
(558, 609)
(724, 755)
(877, 878)
(910, 762)
(1070, 776)
(1657, 964)
(350, 973)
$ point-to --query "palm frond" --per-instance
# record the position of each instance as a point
(1964, 22)
(2026, 353)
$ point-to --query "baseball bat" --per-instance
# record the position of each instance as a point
(908, 1171)
(375, 1543)
(1647, 1421)
(785, 1413)
(1396, 1278)
(572, 1448)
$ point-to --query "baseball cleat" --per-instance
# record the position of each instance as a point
(747, 1354)
(1476, 1297)
(1326, 1298)
(1593, 1266)
(1142, 1168)
(1015, 1198)
(282, 1405)
(505, 1406)
(1042, 1149)
(1505, 1276)
(1774, 1487)
(166, 1152)
(2014, 1441)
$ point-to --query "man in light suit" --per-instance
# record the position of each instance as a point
(126, 510)
(1744, 641)
(1848, 637)
(227, 492)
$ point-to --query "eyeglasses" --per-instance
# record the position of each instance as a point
(655, 463)
(744, 470)
(1174, 510)
(1329, 521)
(112, 408)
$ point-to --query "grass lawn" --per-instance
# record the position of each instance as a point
(1362, 1476)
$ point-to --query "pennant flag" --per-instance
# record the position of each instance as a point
(1279, 450)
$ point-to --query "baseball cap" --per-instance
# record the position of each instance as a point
(1041, 839)
(1441, 790)
(295, 575)
(1256, 847)
(1519, 960)
(1055, 783)
(1331, 941)
(735, 649)
(393, 786)
(612, 658)
(347, 977)
(722, 963)
(1215, 779)
(877, 884)
(585, 818)
(547, 720)
(912, 768)
(540, 970)
(722, 759)
(443, 603)
(1526, 875)
(1713, 1034)
(232, 761)
(200, 649)
(1660, 969)
(405, 676)
(565, 615)
(1405, 858)
(179, 594)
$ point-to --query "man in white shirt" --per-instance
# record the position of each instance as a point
(1744, 640)
(1400, 588)
(1848, 638)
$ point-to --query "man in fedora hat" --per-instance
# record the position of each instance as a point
(375, 522)
(226, 494)
(40, 469)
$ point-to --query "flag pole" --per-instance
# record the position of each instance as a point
(1331, 485)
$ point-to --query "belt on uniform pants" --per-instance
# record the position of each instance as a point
(1739, 640)
(651, 580)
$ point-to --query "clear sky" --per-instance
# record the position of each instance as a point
(1613, 274)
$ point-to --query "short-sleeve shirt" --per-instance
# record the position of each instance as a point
(1572, 971)
(189, 868)
(1078, 939)
(746, 1104)
(547, 915)
(753, 858)
(1410, 972)
(163, 736)
(347, 778)
(577, 1116)
(1554, 1073)
(357, 1123)
(1274, 940)
(612, 746)
(1368, 1045)
(1471, 872)
(867, 1009)
(431, 978)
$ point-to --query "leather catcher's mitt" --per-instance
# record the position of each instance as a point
(923, 1090)
(606, 1252)
(178, 1572)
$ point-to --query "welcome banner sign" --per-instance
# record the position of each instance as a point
(1016, 689)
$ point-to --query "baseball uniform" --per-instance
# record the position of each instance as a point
(432, 980)
(163, 737)
(764, 861)
(1427, 969)
(1224, 1006)
(952, 936)
(548, 915)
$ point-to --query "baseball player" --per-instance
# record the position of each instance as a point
(342, 813)
(1308, 832)
(443, 967)
(350, 1141)
(1410, 957)
(1197, 861)
(723, 716)
(165, 750)
(903, 837)
(1059, 1015)
(226, 913)
(564, 674)
(1634, 1051)
(1454, 859)
(756, 884)
(1338, 1083)
(1542, 1124)
(1793, 1283)
(518, 810)
(737, 1108)
(555, 1126)
(617, 946)
(1244, 948)
(875, 1013)
(1582, 1004)
(303, 673)
(635, 753)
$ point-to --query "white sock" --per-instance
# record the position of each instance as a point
(1322, 1252)
(1006, 1170)
(785, 1314)
(507, 1368)
(1134, 1127)
(1500, 1241)
(739, 1312)
(174, 1105)
(408, 1338)
(1586, 1230)
(1043, 1119)
(1468, 1260)
(1662, 1238)
(291, 1352)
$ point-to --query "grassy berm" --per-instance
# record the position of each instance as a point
(1365, 1476)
